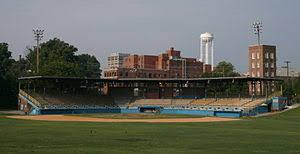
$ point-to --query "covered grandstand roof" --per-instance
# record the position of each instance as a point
(216, 79)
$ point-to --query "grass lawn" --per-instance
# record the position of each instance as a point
(136, 115)
(278, 133)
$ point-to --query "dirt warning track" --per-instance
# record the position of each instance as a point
(87, 119)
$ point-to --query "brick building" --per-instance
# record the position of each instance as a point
(262, 63)
(116, 60)
(166, 65)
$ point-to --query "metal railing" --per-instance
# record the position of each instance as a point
(33, 100)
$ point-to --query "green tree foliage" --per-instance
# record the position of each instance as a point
(8, 81)
(89, 65)
(5, 59)
(223, 68)
(291, 89)
(57, 58)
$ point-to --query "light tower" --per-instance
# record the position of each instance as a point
(207, 46)
(38, 35)
(287, 67)
(257, 28)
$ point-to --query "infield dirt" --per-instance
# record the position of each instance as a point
(87, 119)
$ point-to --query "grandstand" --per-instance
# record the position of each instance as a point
(91, 96)
(161, 102)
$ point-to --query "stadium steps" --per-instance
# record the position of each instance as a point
(29, 97)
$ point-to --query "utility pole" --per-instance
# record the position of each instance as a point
(287, 67)
(257, 27)
(38, 35)
(223, 71)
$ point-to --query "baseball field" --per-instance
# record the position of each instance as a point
(278, 133)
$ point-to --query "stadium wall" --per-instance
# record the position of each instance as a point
(161, 111)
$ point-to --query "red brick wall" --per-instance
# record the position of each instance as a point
(146, 66)
(206, 68)
(23, 102)
(173, 52)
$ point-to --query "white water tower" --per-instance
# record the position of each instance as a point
(207, 47)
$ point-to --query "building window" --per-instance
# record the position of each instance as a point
(258, 74)
(253, 74)
(258, 64)
(272, 55)
(267, 74)
(126, 74)
(257, 55)
(266, 65)
(253, 65)
(253, 55)
(272, 74)
(266, 55)
(272, 65)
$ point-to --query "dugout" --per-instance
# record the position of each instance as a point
(150, 109)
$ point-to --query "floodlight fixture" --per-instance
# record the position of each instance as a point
(257, 28)
(38, 35)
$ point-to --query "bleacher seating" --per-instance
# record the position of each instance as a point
(255, 102)
(233, 102)
(73, 99)
(230, 102)
(161, 102)
(202, 101)
(94, 101)
(151, 102)
(123, 100)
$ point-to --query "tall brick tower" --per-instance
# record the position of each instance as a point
(262, 63)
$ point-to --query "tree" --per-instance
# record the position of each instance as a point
(89, 65)
(57, 58)
(5, 59)
(225, 69)
(8, 82)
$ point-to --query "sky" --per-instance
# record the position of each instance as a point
(101, 27)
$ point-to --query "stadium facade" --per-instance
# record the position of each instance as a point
(62, 95)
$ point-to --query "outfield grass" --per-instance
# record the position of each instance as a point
(135, 115)
(278, 133)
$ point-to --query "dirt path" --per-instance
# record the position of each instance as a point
(73, 118)
(11, 112)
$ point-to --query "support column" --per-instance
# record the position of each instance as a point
(212, 55)
(260, 88)
(206, 53)
(201, 50)
(253, 89)
(267, 89)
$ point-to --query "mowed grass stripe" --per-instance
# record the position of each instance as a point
(271, 134)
